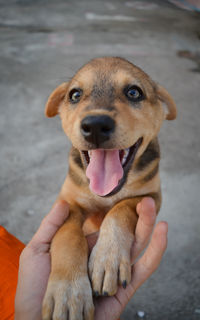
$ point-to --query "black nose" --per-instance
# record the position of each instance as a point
(97, 129)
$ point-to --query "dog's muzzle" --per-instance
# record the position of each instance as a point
(97, 129)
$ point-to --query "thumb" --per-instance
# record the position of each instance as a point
(50, 224)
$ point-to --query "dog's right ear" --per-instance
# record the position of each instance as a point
(55, 99)
(165, 97)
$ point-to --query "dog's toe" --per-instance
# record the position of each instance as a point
(68, 300)
(109, 267)
(110, 283)
(124, 273)
(47, 309)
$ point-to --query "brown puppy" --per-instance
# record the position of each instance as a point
(112, 112)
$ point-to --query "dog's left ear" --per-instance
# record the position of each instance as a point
(165, 97)
(55, 99)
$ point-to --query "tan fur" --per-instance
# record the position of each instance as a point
(116, 216)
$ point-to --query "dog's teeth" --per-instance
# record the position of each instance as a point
(126, 153)
(124, 160)
(90, 153)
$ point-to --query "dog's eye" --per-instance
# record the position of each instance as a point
(75, 95)
(134, 93)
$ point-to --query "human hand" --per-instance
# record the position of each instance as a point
(35, 261)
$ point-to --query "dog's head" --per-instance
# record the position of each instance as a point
(110, 111)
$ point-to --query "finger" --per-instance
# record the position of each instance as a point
(147, 216)
(147, 264)
(92, 239)
(50, 224)
(151, 259)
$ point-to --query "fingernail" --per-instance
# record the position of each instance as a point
(96, 293)
(105, 293)
(124, 284)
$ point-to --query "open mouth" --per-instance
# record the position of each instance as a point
(107, 169)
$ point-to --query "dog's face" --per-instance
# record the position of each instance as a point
(110, 111)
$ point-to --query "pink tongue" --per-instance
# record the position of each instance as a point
(104, 171)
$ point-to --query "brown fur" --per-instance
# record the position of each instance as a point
(102, 81)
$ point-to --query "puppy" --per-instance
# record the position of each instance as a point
(112, 112)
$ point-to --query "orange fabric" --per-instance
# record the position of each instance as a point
(10, 250)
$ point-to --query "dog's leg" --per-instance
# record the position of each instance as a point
(69, 295)
(109, 263)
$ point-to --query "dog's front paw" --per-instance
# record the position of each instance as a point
(109, 264)
(71, 300)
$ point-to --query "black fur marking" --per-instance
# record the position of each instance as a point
(103, 91)
(76, 157)
(75, 177)
(151, 174)
(151, 153)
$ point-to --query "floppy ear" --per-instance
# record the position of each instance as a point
(165, 97)
(55, 99)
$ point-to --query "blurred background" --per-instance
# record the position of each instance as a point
(43, 43)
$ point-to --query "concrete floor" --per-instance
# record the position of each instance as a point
(42, 43)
